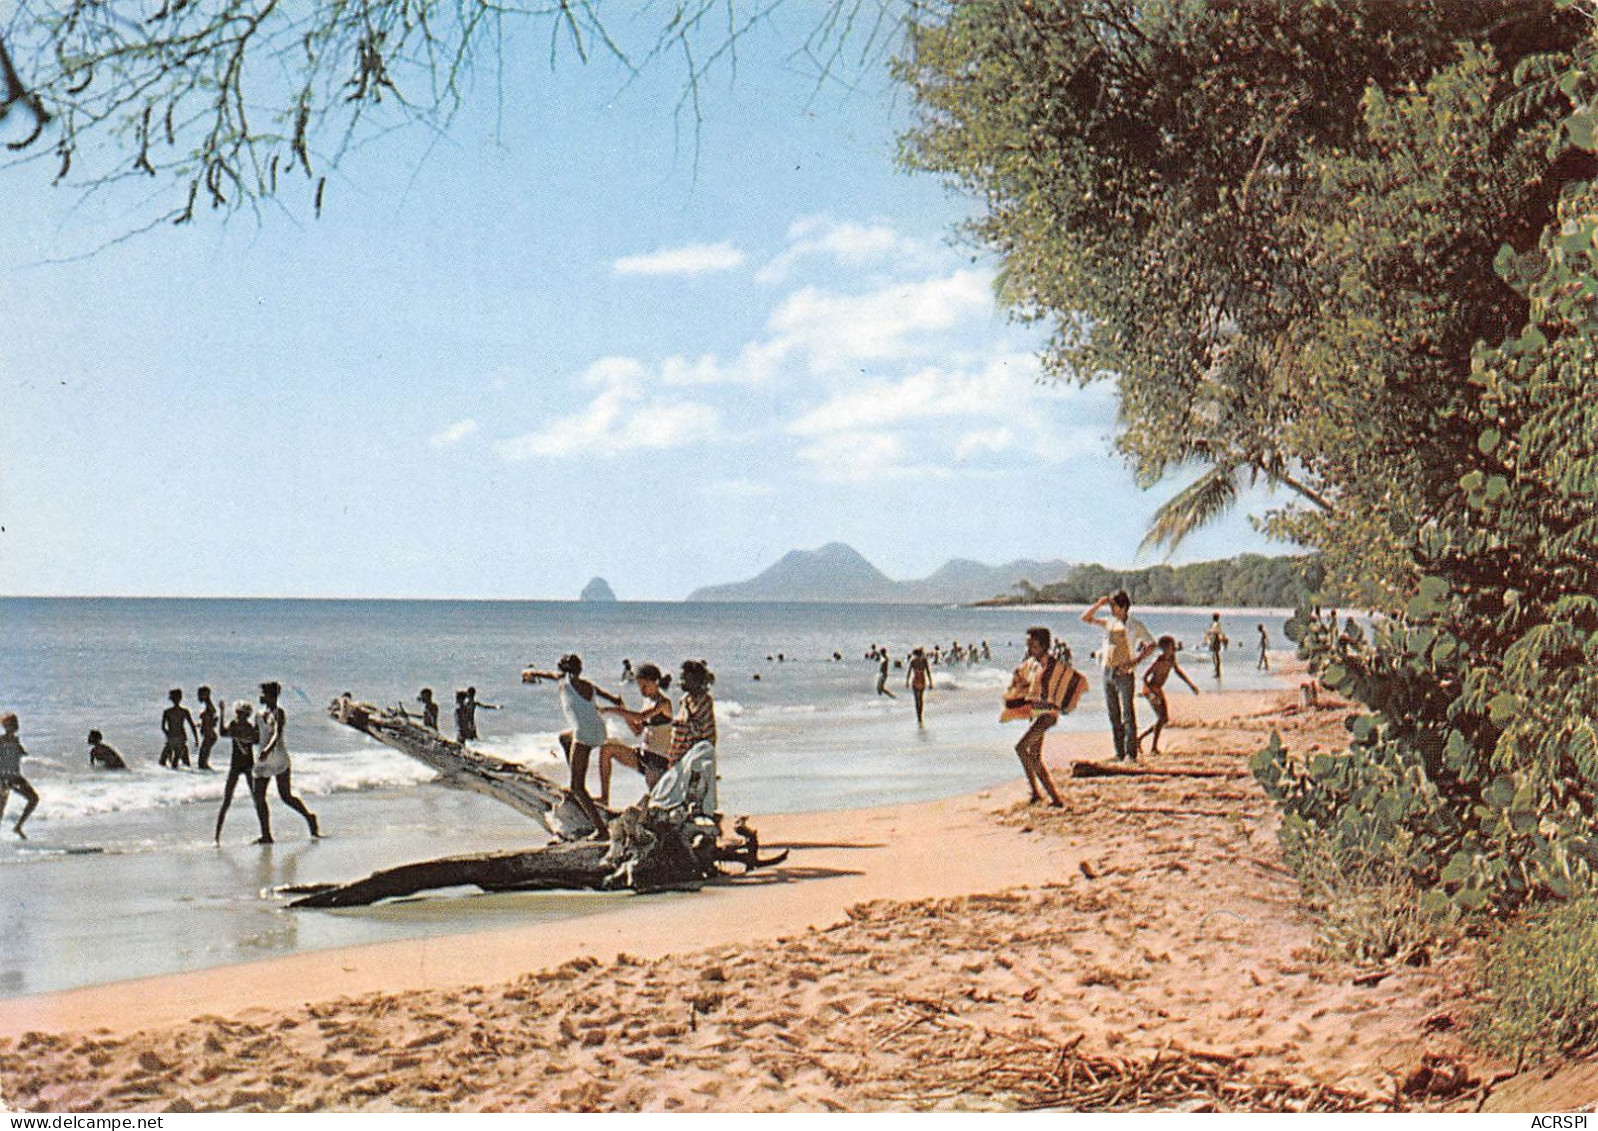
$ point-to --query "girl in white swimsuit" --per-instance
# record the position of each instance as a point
(577, 704)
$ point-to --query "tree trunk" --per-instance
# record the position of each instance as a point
(649, 848)
(1115, 770)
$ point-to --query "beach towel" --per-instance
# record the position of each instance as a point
(1066, 688)
(1056, 683)
(691, 782)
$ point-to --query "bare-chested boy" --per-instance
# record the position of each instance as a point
(1154, 688)
(173, 720)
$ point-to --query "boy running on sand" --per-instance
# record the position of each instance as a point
(1154, 688)
(11, 755)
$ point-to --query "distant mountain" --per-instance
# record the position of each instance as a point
(597, 590)
(837, 572)
(961, 579)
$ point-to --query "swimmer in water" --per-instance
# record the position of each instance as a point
(102, 756)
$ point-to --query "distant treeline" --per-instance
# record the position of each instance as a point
(1249, 579)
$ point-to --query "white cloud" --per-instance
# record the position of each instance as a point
(666, 426)
(1003, 389)
(617, 420)
(894, 322)
(982, 441)
(754, 364)
(690, 259)
(847, 244)
(452, 435)
(863, 457)
(622, 373)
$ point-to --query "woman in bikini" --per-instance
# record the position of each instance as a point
(577, 704)
(652, 722)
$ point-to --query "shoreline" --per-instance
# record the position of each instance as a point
(643, 925)
(828, 847)
(948, 955)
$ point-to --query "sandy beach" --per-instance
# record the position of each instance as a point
(1141, 948)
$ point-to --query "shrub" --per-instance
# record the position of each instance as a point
(1476, 766)
(1542, 982)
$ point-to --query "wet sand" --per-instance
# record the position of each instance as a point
(1141, 947)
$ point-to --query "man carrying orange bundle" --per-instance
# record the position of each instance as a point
(1045, 686)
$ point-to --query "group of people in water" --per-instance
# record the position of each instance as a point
(918, 668)
(466, 707)
(260, 754)
(1045, 686)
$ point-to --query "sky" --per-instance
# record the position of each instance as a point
(566, 339)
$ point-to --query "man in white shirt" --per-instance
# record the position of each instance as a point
(1126, 645)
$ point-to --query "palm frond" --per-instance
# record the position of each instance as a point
(1196, 505)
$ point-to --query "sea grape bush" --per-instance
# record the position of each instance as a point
(1475, 767)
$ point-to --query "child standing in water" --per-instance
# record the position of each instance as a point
(11, 755)
(1154, 688)
(919, 678)
(429, 708)
(245, 735)
(210, 715)
(173, 720)
(587, 731)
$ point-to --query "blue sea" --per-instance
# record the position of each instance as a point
(120, 877)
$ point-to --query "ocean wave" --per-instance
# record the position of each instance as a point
(148, 787)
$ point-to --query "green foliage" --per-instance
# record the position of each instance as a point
(1285, 231)
(1271, 225)
(1248, 580)
(1479, 757)
(1542, 984)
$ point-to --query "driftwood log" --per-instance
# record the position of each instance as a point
(1081, 769)
(649, 848)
